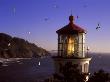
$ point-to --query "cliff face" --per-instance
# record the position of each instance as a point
(12, 47)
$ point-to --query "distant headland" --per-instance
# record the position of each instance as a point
(14, 47)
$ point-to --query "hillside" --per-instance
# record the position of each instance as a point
(12, 47)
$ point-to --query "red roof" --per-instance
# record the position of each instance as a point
(71, 28)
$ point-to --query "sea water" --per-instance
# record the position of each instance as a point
(31, 69)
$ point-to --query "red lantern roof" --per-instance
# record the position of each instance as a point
(71, 28)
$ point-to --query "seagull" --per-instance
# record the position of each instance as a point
(55, 6)
(98, 26)
(46, 19)
(39, 63)
(77, 17)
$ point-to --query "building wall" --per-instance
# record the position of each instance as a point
(83, 64)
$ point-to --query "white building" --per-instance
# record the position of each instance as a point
(71, 42)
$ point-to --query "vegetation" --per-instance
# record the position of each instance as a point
(71, 73)
(16, 47)
(100, 76)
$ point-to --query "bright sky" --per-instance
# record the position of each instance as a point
(38, 20)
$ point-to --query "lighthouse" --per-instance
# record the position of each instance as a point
(71, 47)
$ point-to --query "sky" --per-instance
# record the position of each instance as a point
(38, 20)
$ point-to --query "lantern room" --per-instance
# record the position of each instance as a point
(71, 40)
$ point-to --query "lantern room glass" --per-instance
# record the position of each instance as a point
(71, 45)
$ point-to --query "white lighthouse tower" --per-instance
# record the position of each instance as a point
(71, 41)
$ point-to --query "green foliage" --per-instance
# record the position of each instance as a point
(17, 47)
(100, 76)
(70, 73)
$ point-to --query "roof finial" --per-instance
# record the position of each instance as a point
(71, 18)
(71, 12)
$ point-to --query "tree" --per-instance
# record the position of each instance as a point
(70, 73)
(100, 76)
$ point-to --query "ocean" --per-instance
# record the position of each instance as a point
(100, 61)
(25, 70)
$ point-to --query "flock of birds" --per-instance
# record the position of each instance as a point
(46, 18)
(98, 27)
(56, 6)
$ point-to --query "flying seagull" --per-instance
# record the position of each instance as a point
(98, 26)
(39, 63)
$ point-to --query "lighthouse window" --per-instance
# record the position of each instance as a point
(80, 38)
(83, 38)
(60, 38)
(70, 47)
(86, 67)
(60, 46)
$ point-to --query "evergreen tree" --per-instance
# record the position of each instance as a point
(100, 76)
(70, 73)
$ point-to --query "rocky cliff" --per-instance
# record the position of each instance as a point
(12, 47)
